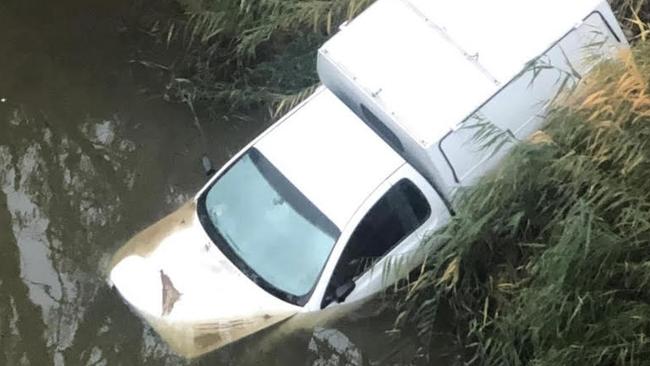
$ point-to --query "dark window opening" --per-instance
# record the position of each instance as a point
(382, 130)
(395, 216)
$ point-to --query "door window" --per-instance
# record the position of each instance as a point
(394, 217)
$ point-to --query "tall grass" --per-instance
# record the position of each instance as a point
(634, 16)
(242, 54)
(548, 260)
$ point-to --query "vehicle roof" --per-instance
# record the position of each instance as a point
(505, 34)
(431, 64)
(330, 155)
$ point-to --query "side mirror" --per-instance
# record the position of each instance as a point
(207, 166)
(342, 292)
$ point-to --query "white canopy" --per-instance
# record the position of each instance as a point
(431, 63)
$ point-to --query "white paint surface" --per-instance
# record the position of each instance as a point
(330, 155)
(430, 64)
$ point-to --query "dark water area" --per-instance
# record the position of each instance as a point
(86, 160)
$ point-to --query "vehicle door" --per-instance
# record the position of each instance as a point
(382, 247)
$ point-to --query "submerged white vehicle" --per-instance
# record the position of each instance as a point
(306, 216)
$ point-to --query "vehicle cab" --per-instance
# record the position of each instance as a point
(300, 220)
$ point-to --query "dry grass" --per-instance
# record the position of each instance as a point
(242, 55)
(548, 260)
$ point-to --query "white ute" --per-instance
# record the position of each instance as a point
(305, 217)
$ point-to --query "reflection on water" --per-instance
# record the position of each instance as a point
(85, 161)
(69, 192)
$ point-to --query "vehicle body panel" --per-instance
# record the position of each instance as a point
(365, 67)
(436, 64)
(410, 69)
(520, 107)
(330, 155)
(505, 35)
(177, 279)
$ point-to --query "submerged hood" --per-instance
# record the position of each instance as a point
(180, 282)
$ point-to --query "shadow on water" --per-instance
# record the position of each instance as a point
(86, 160)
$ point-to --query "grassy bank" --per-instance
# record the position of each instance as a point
(242, 55)
(548, 260)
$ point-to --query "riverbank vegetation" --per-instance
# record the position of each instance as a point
(548, 259)
(240, 55)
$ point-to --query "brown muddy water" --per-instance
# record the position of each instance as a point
(86, 160)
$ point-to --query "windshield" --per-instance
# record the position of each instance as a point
(267, 227)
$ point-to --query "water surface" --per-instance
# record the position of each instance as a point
(87, 158)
